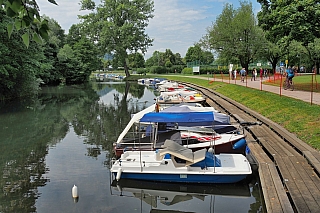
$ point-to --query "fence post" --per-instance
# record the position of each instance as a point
(221, 75)
(311, 89)
(280, 84)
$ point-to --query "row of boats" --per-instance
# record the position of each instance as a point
(180, 140)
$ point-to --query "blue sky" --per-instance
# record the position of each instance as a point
(177, 24)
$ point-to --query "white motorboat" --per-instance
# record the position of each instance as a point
(175, 163)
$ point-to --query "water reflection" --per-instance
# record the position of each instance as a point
(177, 197)
(64, 137)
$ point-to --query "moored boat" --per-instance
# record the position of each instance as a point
(192, 127)
(176, 163)
(180, 96)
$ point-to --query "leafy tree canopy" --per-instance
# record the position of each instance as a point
(234, 35)
(289, 20)
(119, 27)
(25, 15)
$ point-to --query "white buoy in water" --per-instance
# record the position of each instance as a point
(119, 174)
(75, 191)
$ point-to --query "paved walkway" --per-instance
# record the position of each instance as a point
(312, 98)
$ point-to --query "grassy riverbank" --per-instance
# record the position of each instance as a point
(296, 116)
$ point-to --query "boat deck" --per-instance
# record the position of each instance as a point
(288, 167)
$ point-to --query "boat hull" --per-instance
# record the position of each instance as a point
(183, 178)
(155, 166)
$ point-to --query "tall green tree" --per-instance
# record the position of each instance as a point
(119, 27)
(136, 60)
(285, 21)
(19, 65)
(69, 66)
(49, 73)
(75, 34)
(235, 34)
(194, 53)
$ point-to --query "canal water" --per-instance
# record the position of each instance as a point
(64, 138)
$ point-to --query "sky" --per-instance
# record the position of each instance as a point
(176, 25)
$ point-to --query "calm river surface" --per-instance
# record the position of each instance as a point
(64, 138)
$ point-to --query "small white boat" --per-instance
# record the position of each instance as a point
(167, 85)
(180, 96)
(175, 163)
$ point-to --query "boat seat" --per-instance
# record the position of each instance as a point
(198, 156)
(177, 150)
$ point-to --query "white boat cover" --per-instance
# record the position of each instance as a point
(136, 117)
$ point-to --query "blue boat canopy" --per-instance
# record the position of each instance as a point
(178, 117)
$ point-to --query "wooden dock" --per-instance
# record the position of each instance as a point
(288, 167)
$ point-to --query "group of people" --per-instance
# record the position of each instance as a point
(243, 73)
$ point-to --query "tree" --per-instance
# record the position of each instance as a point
(118, 27)
(169, 56)
(179, 59)
(285, 21)
(87, 54)
(235, 35)
(207, 57)
(56, 37)
(194, 53)
(19, 65)
(75, 34)
(25, 15)
(136, 60)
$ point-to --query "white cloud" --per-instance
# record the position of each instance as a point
(175, 27)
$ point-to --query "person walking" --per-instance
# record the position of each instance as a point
(242, 74)
(254, 73)
(235, 74)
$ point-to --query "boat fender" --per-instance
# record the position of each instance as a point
(239, 144)
(119, 174)
(211, 150)
(247, 150)
(157, 155)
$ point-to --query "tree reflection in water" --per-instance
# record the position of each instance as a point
(30, 127)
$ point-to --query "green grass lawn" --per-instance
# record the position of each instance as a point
(296, 116)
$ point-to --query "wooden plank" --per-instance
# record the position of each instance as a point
(271, 149)
(310, 156)
(316, 154)
(288, 174)
(266, 170)
(283, 148)
(272, 142)
(272, 195)
(258, 153)
(281, 192)
(304, 169)
(264, 185)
